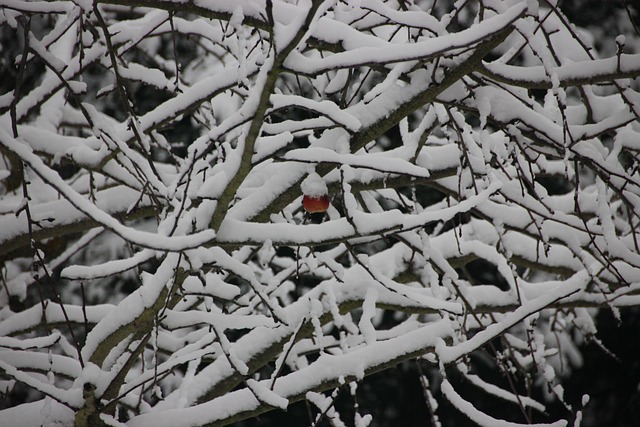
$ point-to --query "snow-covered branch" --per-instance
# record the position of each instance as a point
(210, 211)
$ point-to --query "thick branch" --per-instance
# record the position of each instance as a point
(386, 122)
(258, 118)
(576, 74)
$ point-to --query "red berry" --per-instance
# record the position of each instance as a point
(315, 204)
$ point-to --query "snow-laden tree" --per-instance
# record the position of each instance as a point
(158, 266)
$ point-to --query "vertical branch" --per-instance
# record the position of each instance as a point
(257, 120)
(17, 92)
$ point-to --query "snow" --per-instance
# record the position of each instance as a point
(71, 398)
(426, 174)
(409, 18)
(232, 230)
(626, 63)
(378, 163)
(184, 319)
(110, 268)
(526, 401)
(32, 361)
(368, 312)
(325, 368)
(266, 146)
(448, 354)
(33, 414)
(214, 286)
(131, 307)
(324, 108)
(267, 396)
(314, 186)
(399, 53)
(142, 238)
(480, 418)
(40, 342)
(25, 320)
